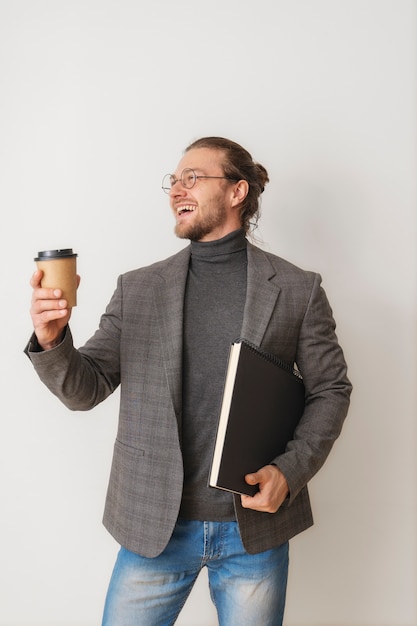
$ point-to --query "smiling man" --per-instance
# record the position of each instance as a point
(165, 338)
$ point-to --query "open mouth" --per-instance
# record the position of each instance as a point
(188, 208)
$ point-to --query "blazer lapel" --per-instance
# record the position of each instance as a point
(261, 296)
(169, 300)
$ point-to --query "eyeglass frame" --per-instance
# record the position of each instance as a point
(196, 177)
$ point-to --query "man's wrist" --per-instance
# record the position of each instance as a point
(50, 345)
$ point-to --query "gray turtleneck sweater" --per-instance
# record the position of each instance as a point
(213, 314)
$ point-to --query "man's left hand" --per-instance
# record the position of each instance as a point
(273, 489)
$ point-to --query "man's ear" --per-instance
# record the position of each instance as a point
(240, 191)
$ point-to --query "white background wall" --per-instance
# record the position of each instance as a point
(98, 98)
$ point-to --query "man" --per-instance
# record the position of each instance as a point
(165, 339)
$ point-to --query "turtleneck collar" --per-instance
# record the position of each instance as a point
(233, 242)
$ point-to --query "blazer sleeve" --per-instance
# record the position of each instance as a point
(327, 393)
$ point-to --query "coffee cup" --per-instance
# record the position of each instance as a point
(59, 269)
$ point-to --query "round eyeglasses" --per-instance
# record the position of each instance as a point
(187, 179)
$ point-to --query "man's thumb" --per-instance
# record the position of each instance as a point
(252, 479)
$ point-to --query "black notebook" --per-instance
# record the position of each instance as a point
(263, 401)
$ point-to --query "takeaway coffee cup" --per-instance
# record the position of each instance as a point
(59, 272)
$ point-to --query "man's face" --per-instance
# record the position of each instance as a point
(207, 211)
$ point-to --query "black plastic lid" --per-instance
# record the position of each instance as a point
(46, 255)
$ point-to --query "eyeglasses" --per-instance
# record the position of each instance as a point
(187, 179)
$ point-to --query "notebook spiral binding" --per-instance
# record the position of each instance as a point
(272, 357)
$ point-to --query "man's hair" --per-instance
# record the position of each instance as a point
(238, 164)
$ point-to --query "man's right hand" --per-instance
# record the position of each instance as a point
(49, 313)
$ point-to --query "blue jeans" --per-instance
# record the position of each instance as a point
(247, 589)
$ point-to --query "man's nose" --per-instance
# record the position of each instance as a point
(177, 189)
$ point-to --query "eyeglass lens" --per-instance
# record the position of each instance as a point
(188, 179)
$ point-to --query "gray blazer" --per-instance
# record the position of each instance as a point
(139, 345)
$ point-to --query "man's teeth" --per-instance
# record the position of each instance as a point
(183, 209)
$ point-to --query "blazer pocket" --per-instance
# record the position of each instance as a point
(127, 455)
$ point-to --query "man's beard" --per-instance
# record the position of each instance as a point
(202, 227)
